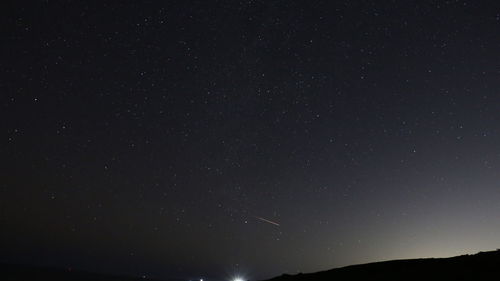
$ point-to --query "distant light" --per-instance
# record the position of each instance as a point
(201, 279)
(238, 279)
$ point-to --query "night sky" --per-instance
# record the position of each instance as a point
(209, 139)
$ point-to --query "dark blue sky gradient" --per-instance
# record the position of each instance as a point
(146, 137)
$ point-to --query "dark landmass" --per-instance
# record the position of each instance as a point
(481, 266)
(31, 273)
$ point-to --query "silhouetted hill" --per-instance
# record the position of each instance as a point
(481, 266)
(31, 273)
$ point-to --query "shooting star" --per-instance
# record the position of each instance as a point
(268, 221)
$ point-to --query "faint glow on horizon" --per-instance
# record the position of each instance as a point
(238, 279)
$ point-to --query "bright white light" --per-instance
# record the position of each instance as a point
(238, 279)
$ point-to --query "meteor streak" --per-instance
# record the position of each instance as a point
(268, 221)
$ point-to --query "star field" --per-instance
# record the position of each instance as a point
(209, 139)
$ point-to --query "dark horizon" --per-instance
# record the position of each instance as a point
(214, 139)
(477, 266)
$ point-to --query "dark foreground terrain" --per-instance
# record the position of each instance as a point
(481, 266)
(29, 273)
